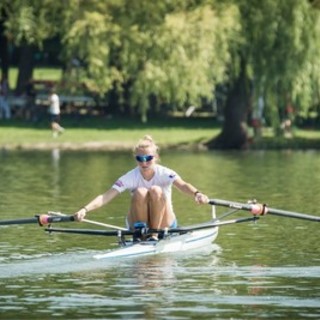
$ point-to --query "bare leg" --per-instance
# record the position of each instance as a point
(160, 215)
(150, 206)
(139, 207)
(56, 127)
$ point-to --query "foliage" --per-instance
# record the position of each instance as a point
(188, 58)
(282, 47)
(30, 21)
(178, 52)
(163, 49)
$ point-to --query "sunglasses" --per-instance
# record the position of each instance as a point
(145, 158)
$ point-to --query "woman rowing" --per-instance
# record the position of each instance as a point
(150, 185)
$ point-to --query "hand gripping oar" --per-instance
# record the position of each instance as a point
(42, 219)
(261, 209)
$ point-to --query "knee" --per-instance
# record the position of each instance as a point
(140, 193)
(156, 193)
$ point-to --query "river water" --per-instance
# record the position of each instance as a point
(269, 269)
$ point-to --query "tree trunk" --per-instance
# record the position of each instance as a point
(25, 67)
(234, 133)
(4, 53)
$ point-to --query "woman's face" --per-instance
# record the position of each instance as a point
(146, 158)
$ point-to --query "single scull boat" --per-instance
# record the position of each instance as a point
(174, 240)
(179, 239)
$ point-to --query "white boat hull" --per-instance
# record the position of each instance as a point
(173, 243)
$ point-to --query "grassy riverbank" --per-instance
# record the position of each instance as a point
(104, 133)
(115, 134)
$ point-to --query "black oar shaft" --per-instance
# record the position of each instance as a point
(91, 232)
(18, 221)
(290, 214)
(258, 209)
(211, 225)
(41, 219)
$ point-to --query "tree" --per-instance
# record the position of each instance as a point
(278, 59)
(27, 23)
(4, 51)
(174, 51)
(152, 54)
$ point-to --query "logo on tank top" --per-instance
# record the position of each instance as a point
(119, 183)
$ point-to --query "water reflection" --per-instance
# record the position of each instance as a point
(55, 154)
(268, 269)
(55, 188)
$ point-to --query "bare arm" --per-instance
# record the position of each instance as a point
(189, 189)
(96, 203)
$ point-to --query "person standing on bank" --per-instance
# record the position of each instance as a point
(4, 93)
(150, 185)
(54, 110)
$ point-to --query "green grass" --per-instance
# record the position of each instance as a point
(302, 139)
(47, 74)
(121, 132)
(53, 74)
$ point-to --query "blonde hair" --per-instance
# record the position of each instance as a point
(145, 143)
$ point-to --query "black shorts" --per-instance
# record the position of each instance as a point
(55, 118)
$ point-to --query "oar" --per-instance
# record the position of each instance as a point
(207, 225)
(41, 219)
(91, 232)
(261, 209)
(91, 221)
(160, 231)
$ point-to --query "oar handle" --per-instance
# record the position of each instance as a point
(254, 208)
(261, 209)
(44, 219)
